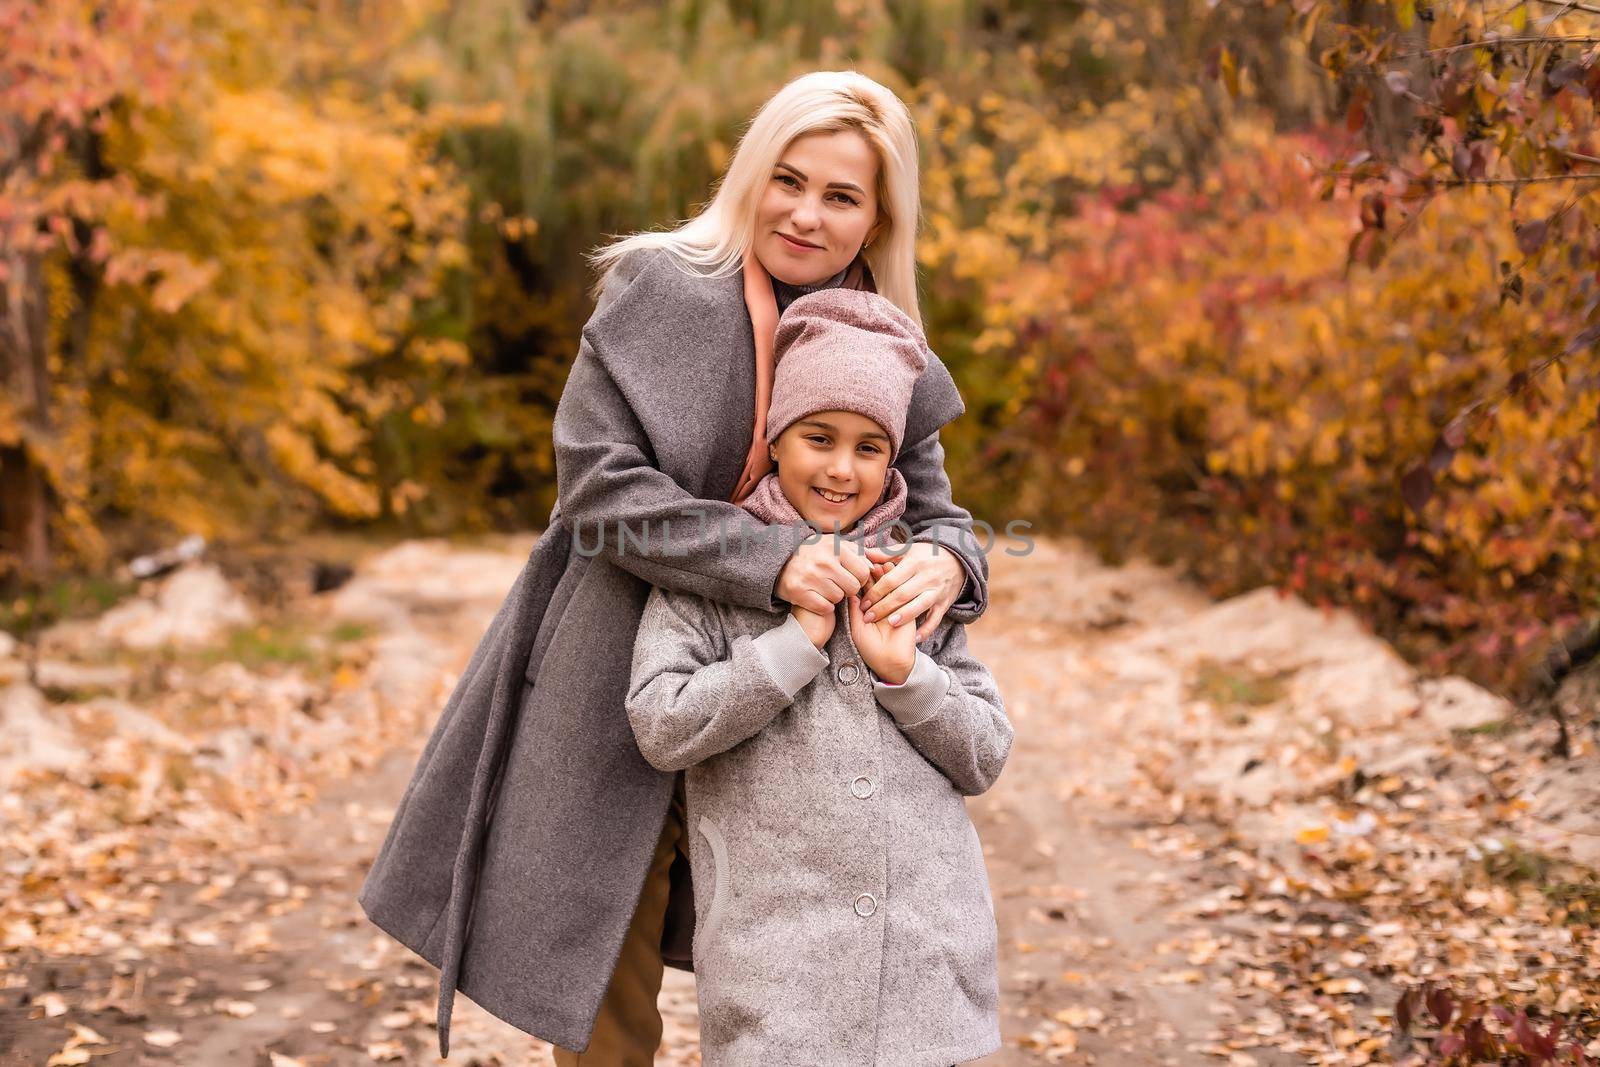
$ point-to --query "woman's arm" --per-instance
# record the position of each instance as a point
(950, 709)
(691, 696)
(933, 516)
(620, 506)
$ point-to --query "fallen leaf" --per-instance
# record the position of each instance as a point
(52, 1003)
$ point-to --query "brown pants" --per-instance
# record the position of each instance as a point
(627, 1030)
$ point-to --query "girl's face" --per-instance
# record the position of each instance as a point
(832, 467)
(819, 207)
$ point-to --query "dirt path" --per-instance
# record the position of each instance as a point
(1110, 952)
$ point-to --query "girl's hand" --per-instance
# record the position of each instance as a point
(890, 649)
(921, 578)
(817, 578)
(817, 627)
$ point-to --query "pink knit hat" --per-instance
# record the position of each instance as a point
(846, 350)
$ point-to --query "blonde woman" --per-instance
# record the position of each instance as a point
(536, 857)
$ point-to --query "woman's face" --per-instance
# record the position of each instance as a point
(819, 206)
(840, 453)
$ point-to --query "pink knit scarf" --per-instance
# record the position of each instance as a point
(767, 503)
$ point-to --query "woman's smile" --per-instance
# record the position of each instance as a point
(798, 245)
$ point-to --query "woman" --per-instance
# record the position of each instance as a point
(532, 856)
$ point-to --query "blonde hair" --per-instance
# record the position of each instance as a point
(824, 101)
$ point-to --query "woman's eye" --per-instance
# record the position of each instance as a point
(846, 199)
(789, 179)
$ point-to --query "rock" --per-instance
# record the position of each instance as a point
(406, 668)
(31, 737)
(190, 548)
(109, 717)
(193, 607)
(428, 575)
(63, 677)
(1454, 703)
(226, 750)
(1341, 670)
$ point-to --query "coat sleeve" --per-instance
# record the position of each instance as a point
(950, 709)
(692, 694)
(619, 505)
(934, 516)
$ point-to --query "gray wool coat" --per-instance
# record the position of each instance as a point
(843, 907)
(519, 848)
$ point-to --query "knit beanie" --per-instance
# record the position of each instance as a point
(846, 350)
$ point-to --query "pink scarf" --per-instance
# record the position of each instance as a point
(767, 503)
(762, 304)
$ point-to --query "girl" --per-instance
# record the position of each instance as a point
(843, 914)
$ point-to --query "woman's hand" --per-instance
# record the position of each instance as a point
(889, 649)
(817, 627)
(817, 579)
(921, 578)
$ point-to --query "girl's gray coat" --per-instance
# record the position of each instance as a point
(844, 915)
(525, 911)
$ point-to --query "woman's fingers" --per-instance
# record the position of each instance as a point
(923, 601)
(935, 617)
(893, 590)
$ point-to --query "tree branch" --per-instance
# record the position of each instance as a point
(1574, 6)
(1491, 42)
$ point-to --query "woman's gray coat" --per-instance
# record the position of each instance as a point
(844, 915)
(519, 849)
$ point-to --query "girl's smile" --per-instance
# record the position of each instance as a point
(832, 498)
(827, 449)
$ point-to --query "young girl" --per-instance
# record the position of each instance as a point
(842, 907)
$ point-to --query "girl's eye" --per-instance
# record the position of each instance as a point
(873, 449)
(818, 439)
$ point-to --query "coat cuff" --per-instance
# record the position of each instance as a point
(789, 656)
(919, 696)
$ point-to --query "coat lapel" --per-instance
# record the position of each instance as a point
(680, 349)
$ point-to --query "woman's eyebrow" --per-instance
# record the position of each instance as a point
(830, 185)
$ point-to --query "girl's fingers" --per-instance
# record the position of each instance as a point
(815, 601)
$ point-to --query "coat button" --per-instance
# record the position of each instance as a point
(866, 905)
(862, 787)
(847, 674)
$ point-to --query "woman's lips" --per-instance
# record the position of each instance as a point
(797, 245)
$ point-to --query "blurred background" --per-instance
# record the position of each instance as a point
(1286, 293)
(281, 266)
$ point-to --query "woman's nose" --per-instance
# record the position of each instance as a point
(805, 216)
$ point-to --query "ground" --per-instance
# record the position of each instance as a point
(1227, 833)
